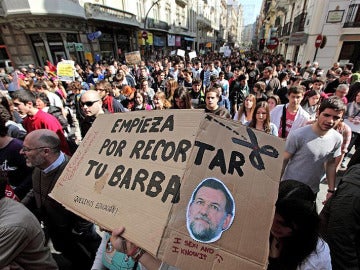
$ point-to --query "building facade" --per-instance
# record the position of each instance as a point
(34, 31)
(297, 24)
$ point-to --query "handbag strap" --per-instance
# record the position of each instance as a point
(283, 122)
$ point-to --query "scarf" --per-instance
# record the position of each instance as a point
(108, 104)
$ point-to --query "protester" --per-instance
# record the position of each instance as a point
(272, 83)
(109, 103)
(311, 149)
(212, 99)
(13, 165)
(129, 94)
(141, 101)
(21, 237)
(54, 99)
(160, 101)
(261, 119)
(343, 79)
(171, 85)
(91, 105)
(246, 111)
(15, 130)
(238, 90)
(25, 103)
(196, 94)
(181, 98)
(294, 238)
(311, 103)
(71, 235)
(259, 91)
(341, 224)
(291, 116)
(273, 101)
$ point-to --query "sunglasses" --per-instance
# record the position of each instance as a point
(88, 103)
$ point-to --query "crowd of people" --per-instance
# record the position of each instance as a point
(43, 120)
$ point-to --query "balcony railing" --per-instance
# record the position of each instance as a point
(287, 29)
(299, 23)
(100, 12)
(353, 16)
(181, 3)
(204, 22)
(152, 24)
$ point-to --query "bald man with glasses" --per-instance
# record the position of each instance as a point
(71, 235)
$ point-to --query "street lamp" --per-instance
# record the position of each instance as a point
(147, 13)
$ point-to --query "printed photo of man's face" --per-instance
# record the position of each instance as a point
(210, 211)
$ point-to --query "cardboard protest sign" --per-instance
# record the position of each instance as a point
(180, 52)
(354, 124)
(192, 55)
(66, 70)
(152, 172)
(133, 58)
(248, 163)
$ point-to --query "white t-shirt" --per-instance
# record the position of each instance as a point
(319, 259)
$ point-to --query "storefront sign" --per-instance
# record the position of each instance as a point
(149, 38)
(298, 39)
(171, 40)
(178, 41)
(335, 16)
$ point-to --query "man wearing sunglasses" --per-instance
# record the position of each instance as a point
(91, 105)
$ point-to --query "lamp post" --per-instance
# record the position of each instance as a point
(147, 13)
(144, 34)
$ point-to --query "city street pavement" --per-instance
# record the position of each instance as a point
(324, 187)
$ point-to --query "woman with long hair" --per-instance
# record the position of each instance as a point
(245, 113)
(181, 98)
(171, 85)
(141, 101)
(261, 119)
(273, 101)
(160, 101)
(294, 239)
(59, 89)
(311, 103)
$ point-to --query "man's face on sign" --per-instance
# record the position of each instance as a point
(207, 215)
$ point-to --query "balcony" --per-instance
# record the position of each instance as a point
(157, 25)
(353, 16)
(41, 7)
(181, 3)
(203, 22)
(299, 23)
(286, 29)
(105, 13)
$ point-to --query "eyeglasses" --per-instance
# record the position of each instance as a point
(27, 149)
(88, 103)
